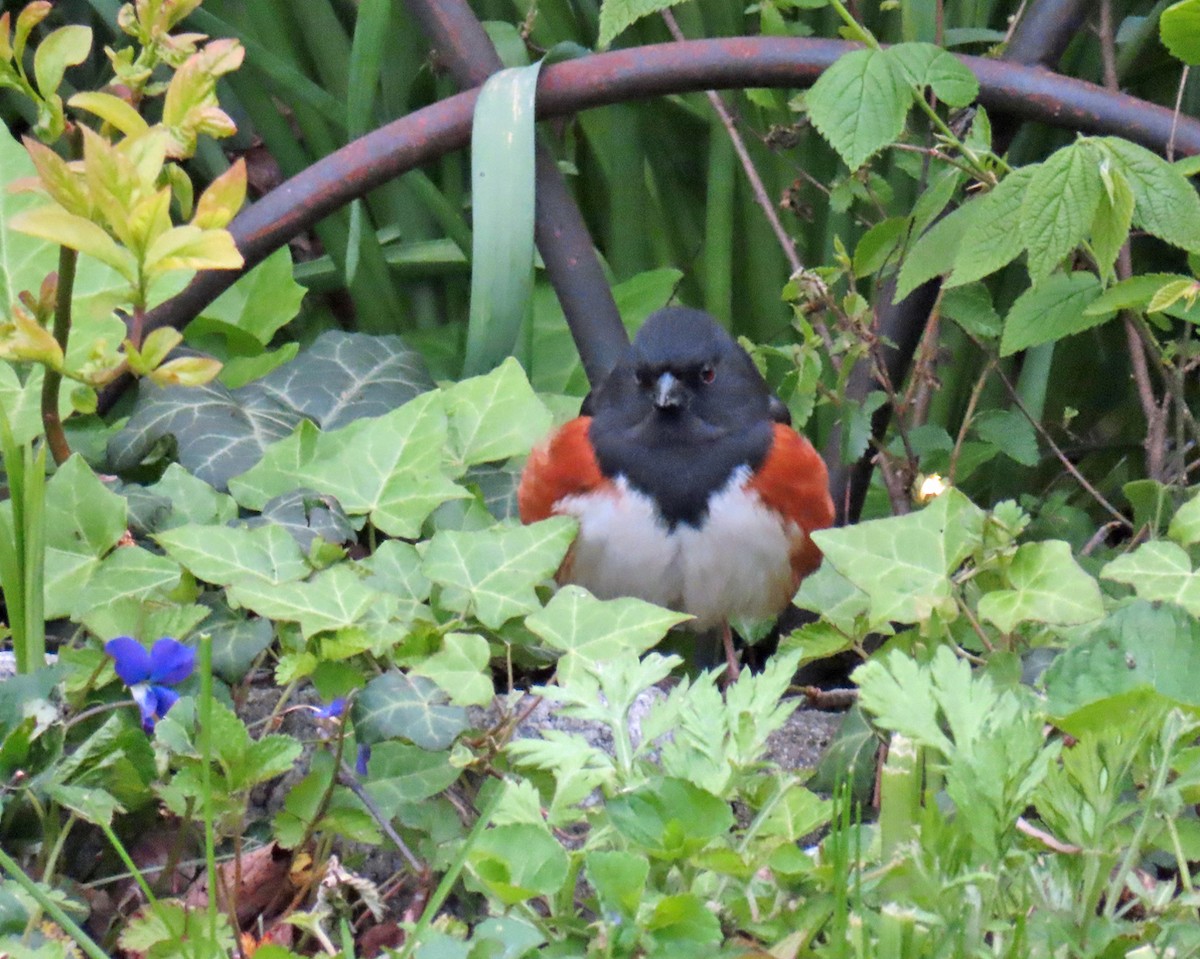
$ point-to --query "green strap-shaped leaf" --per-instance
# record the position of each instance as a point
(502, 192)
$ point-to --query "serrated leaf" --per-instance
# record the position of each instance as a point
(926, 65)
(332, 599)
(1179, 26)
(492, 572)
(398, 477)
(904, 563)
(218, 434)
(1158, 570)
(1046, 586)
(460, 668)
(934, 252)
(228, 555)
(1131, 294)
(971, 308)
(519, 861)
(878, 245)
(617, 15)
(264, 759)
(669, 818)
(402, 774)
(93, 805)
(397, 706)
(496, 416)
(1110, 226)
(1051, 310)
(859, 105)
(1010, 432)
(1165, 204)
(82, 514)
(1059, 207)
(994, 238)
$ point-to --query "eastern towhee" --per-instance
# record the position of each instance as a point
(691, 489)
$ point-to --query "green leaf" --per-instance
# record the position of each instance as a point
(934, 252)
(859, 105)
(926, 65)
(193, 501)
(669, 818)
(1139, 647)
(878, 245)
(1059, 206)
(93, 805)
(1046, 585)
(1179, 26)
(971, 308)
(1132, 294)
(1011, 432)
(617, 15)
(330, 600)
(518, 862)
(82, 514)
(264, 759)
(229, 555)
(144, 620)
(590, 631)
(399, 475)
(130, 572)
(237, 640)
(1165, 204)
(683, 924)
(619, 879)
(402, 774)
(496, 416)
(1185, 525)
(262, 301)
(492, 572)
(1114, 217)
(903, 563)
(502, 187)
(61, 48)
(1051, 310)
(1158, 570)
(993, 239)
(55, 224)
(461, 669)
(397, 706)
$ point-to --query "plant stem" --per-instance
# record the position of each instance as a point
(52, 381)
(52, 908)
(206, 752)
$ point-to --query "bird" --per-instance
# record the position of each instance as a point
(690, 487)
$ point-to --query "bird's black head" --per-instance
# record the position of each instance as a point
(683, 410)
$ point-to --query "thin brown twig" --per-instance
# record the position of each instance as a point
(786, 243)
(972, 402)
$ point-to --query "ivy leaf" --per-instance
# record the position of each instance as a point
(398, 479)
(1059, 207)
(903, 563)
(1158, 570)
(229, 555)
(1165, 204)
(145, 620)
(401, 774)
(460, 668)
(217, 434)
(859, 105)
(1051, 310)
(82, 514)
(76, 588)
(590, 631)
(927, 65)
(492, 572)
(397, 706)
(332, 599)
(343, 377)
(993, 240)
(259, 304)
(496, 416)
(192, 500)
(1046, 585)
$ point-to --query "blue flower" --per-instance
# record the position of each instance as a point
(360, 763)
(333, 711)
(149, 673)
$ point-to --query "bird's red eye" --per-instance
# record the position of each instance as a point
(707, 374)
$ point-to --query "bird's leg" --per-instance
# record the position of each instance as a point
(731, 661)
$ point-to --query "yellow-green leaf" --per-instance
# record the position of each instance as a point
(223, 198)
(112, 110)
(55, 224)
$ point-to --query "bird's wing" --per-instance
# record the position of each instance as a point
(564, 466)
(793, 481)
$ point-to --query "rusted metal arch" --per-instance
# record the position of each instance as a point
(606, 78)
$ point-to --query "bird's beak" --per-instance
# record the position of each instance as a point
(668, 392)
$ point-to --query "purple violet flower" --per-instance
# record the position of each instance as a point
(360, 762)
(150, 673)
